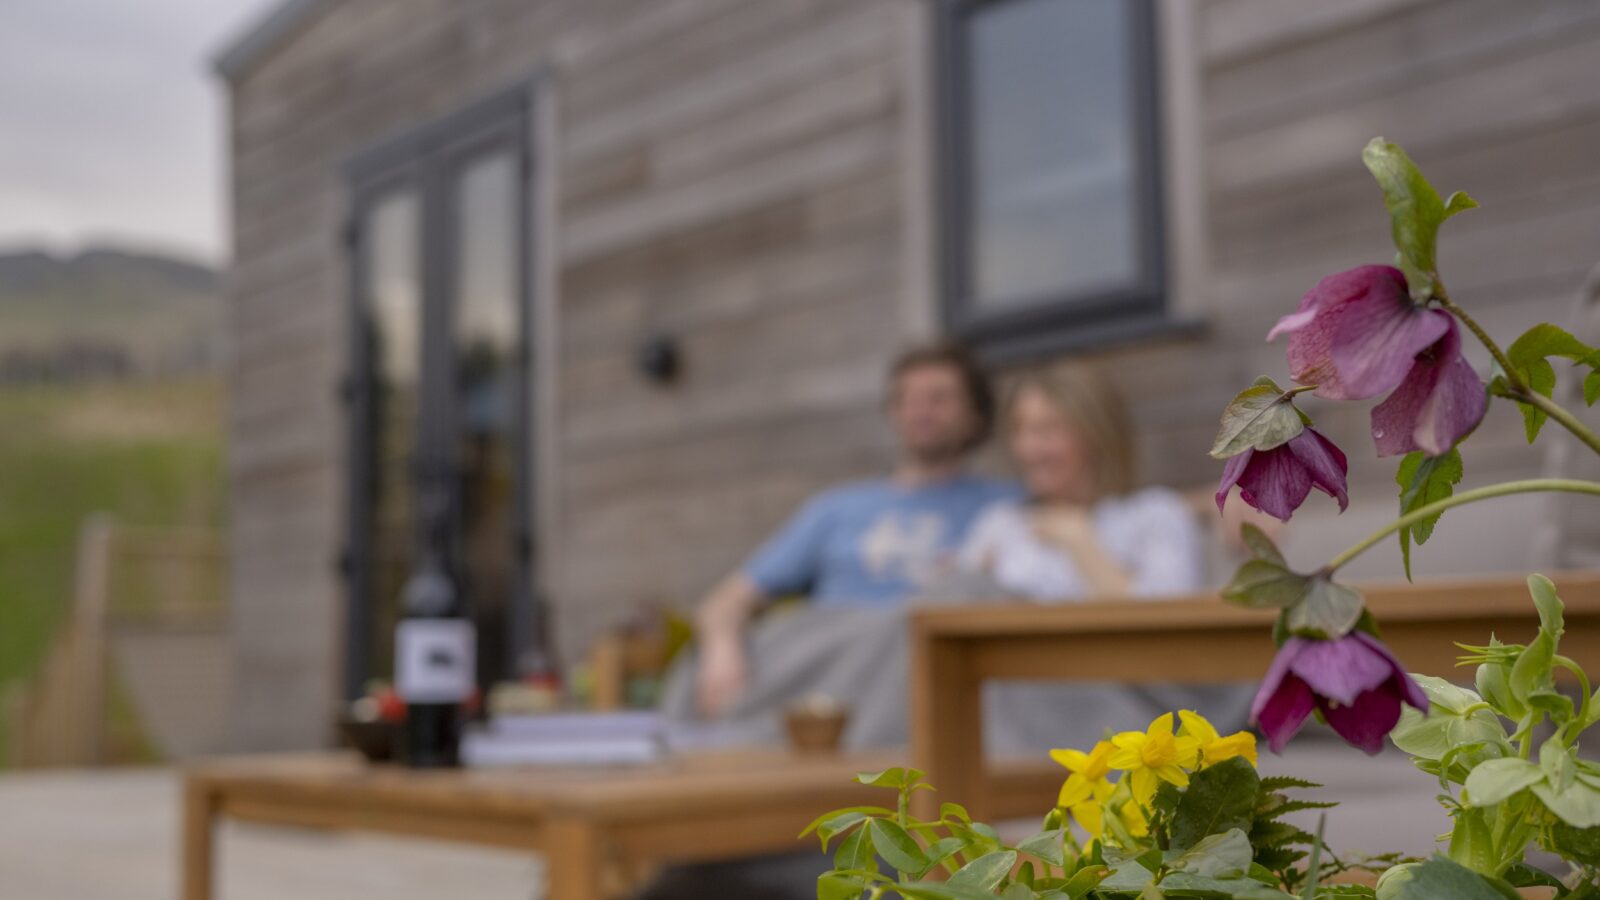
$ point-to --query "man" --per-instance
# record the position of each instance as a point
(871, 542)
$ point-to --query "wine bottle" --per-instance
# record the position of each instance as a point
(435, 665)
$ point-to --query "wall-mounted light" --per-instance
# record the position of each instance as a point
(658, 359)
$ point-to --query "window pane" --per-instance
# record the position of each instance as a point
(1051, 155)
(487, 344)
(393, 305)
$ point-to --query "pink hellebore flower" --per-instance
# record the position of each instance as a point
(1355, 681)
(1358, 334)
(1278, 480)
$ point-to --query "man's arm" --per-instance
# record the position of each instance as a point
(720, 623)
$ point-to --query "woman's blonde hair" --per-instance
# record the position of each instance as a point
(1095, 410)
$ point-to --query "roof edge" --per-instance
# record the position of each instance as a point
(274, 27)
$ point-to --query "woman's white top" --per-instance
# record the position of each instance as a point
(1152, 534)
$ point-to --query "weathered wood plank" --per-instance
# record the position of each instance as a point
(1547, 83)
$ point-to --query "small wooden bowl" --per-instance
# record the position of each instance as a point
(815, 730)
(375, 739)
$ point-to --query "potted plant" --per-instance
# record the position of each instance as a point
(1178, 810)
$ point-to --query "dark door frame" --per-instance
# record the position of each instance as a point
(427, 159)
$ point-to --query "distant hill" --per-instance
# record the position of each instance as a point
(105, 312)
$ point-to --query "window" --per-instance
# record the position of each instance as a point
(439, 440)
(1052, 229)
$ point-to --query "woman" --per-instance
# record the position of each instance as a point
(1085, 532)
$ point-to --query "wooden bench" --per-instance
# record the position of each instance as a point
(589, 823)
(954, 650)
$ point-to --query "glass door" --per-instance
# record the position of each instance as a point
(441, 383)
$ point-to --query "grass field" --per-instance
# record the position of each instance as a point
(147, 453)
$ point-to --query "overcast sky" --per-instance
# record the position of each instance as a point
(111, 122)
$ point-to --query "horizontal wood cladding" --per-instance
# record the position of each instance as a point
(1538, 81)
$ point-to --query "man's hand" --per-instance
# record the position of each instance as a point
(723, 668)
(721, 676)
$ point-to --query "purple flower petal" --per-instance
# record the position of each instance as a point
(1310, 331)
(1342, 669)
(1439, 401)
(1367, 721)
(1332, 321)
(1280, 712)
(1409, 690)
(1230, 475)
(1324, 463)
(1379, 335)
(1275, 482)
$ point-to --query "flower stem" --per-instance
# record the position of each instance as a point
(1525, 486)
(1523, 393)
(1560, 414)
(1512, 378)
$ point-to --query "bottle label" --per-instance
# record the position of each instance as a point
(435, 660)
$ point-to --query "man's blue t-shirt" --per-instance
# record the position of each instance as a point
(870, 543)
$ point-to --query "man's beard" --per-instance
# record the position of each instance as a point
(938, 454)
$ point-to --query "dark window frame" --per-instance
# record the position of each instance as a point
(426, 159)
(1059, 322)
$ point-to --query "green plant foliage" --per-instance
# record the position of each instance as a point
(1437, 879)
(1423, 480)
(1530, 362)
(1415, 214)
(1261, 417)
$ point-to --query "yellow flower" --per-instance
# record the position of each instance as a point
(1085, 799)
(1154, 755)
(1213, 747)
(1086, 789)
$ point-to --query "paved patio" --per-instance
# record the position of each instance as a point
(111, 835)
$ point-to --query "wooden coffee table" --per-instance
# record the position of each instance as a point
(587, 822)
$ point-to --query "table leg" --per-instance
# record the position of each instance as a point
(573, 859)
(199, 818)
(947, 725)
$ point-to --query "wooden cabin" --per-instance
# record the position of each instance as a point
(615, 281)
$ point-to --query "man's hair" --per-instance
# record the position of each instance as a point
(974, 380)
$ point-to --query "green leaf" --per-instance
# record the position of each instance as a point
(1187, 884)
(841, 886)
(1591, 387)
(1218, 798)
(1127, 876)
(955, 811)
(1085, 880)
(855, 851)
(941, 850)
(985, 872)
(1532, 672)
(898, 848)
(1471, 843)
(1423, 480)
(1498, 779)
(1523, 875)
(1415, 213)
(1260, 418)
(1223, 855)
(1261, 546)
(1327, 611)
(1578, 805)
(1548, 603)
(1581, 844)
(896, 777)
(1047, 845)
(1494, 683)
(1264, 584)
(1437, 879)
(1529, 357)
